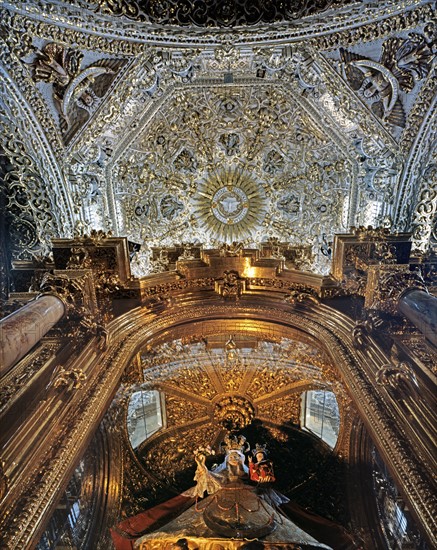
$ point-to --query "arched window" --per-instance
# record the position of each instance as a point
(320, 415)
(145, 415)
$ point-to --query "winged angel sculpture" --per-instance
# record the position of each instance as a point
(403, 62)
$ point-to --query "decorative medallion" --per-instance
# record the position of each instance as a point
(234, 412)
(230, 204)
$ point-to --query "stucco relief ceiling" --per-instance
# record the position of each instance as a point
(197, 135)
(230, 163)
(232, 145)
(234, 388)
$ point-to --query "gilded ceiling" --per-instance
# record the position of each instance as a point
(235, 390)
(195, 133)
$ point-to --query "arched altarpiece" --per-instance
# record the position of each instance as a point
(351, 373)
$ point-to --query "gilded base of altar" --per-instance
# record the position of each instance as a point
(189, 531)
(199, 543)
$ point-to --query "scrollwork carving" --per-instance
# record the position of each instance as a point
(28, 207)
(400, 380)
(68, 379)
(207, 15)
(231, 286)
(425, 210)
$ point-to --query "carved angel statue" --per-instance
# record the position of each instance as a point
(403, 62)
(59, 65)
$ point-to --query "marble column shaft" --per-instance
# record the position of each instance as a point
(421, 309)
(24, 328)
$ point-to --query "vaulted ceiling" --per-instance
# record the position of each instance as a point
(231, 122)
(201, 131)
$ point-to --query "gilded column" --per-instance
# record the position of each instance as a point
(420, 308)
(21, 330)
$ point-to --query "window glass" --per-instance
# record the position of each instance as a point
(145, 416)
(320, 415)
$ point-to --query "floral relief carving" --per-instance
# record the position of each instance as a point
(185, 378)
(271, 377)
(180, 412)
(285, 409)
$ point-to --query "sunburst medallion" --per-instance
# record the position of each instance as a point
(229, 205)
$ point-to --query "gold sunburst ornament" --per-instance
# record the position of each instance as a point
(229, 205)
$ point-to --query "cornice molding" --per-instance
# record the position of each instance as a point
(85, 20)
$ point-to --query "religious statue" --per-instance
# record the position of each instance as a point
(233, 468)
(233, 503)
(261, 470)
(233, 507)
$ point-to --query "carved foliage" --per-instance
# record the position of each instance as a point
(424, 218)
(27, 207)
(180, 411)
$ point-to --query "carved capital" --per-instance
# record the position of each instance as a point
(364, 328)
(400, 380)
(387, 283)
(297, 296)
(74, 289)
(97, 251)
(356, 253)
(69, 379)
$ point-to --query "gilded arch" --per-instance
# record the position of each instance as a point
(318, 322)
